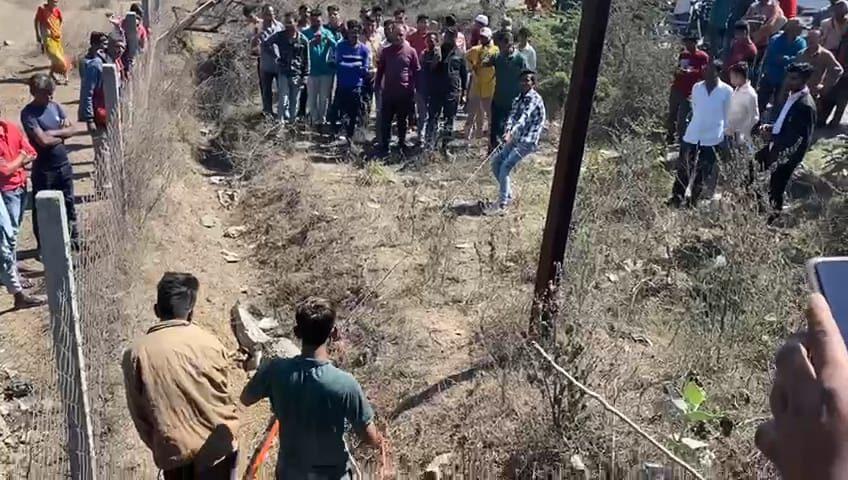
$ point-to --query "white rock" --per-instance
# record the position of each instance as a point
(282, 348)
(246, 328)
(434, 469)
(268, 323)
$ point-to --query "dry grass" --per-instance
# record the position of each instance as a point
(650, 297)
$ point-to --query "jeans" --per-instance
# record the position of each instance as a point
(318, 97)
(100, 143)
(62, 179)
(288, 93)
(441, 105)
(11, 217)
(391, 108)
(347, 108)
(267, 81)
(766, 93)
(421, 113)
(503, 163)
(226, 469)
(498, 124)
(679, 107)
(688, 171)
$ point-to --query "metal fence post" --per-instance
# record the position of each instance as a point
(67, 338)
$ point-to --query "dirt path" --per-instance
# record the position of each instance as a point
(174, 240)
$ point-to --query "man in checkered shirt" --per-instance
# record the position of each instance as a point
(523, 129)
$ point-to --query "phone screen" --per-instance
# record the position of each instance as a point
(832, 278)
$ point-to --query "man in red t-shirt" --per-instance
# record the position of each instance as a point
(690, 70)
(789, 7)
(15, 154)
(742, 49)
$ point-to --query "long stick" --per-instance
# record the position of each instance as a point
(617, 413)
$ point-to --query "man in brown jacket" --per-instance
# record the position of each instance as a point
(177, 389)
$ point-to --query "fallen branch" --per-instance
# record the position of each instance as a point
(617, 413)
(440, 386)
(187, 21)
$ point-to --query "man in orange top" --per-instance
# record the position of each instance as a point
(15, 153)
(48, 33)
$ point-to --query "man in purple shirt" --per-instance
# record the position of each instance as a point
(396, 70)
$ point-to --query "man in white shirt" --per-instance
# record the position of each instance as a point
(743, 113)
(525, 49)
(790, 136)
(704, 135)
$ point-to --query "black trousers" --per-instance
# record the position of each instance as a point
(441, 106)
(679, 108)
(347, 108)
(57, 179)
(395, 108)
(267, 81)
(766, 92)
(695, 164)
(779, 179)
(498, 124)
(223, 470)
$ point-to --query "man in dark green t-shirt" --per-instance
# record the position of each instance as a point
(508, 67)
(314, 401)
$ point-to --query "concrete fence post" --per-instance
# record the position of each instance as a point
(115, 165)
(145, 7)
(65, 326)
(156, 5)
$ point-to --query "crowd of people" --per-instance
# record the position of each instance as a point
(333, 74)
(785, 80)
(40, 146)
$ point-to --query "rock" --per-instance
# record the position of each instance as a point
(227, 198)
(4, 428)
(8, 43)
(208, 221)
(577, 463)
(230, 257)
(17, 389)
(235, 232)
(434, 469)
(246, 328)
(268, 323)
(282, 348)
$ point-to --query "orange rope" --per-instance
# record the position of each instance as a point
(261, 453)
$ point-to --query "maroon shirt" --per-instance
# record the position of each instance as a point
(396, 70)
(694, 64)
(742, 51)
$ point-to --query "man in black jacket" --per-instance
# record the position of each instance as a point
(789, 135)
(449, 75)
(292, 52)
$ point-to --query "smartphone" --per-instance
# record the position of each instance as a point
(829, 276)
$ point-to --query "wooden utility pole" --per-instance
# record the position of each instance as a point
(572, 142)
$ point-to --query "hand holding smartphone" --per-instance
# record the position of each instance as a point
(829, 276)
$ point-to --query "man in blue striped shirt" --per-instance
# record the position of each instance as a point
(353, 61)
(521, 138)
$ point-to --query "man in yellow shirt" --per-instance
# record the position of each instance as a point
(482, 85)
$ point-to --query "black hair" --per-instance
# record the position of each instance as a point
(315, 12)
(332, 8)
(42, 81)
(289, 16)
(717, 64)
(353, 25)
(422, 17)
(97, 38)
(376, 8)
(450, 21)
(804, 69)
(248, 10)
(136, 8)
(524, 31)
(303, 7)
(388, 23)
(741, 68)
(367, 18)
(176, 295)
(314, 321)
(504, 37)
(741, 26)
(399, 11)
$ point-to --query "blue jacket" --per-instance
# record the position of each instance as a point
(779, 55)
(321, 53)
(352, 62)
